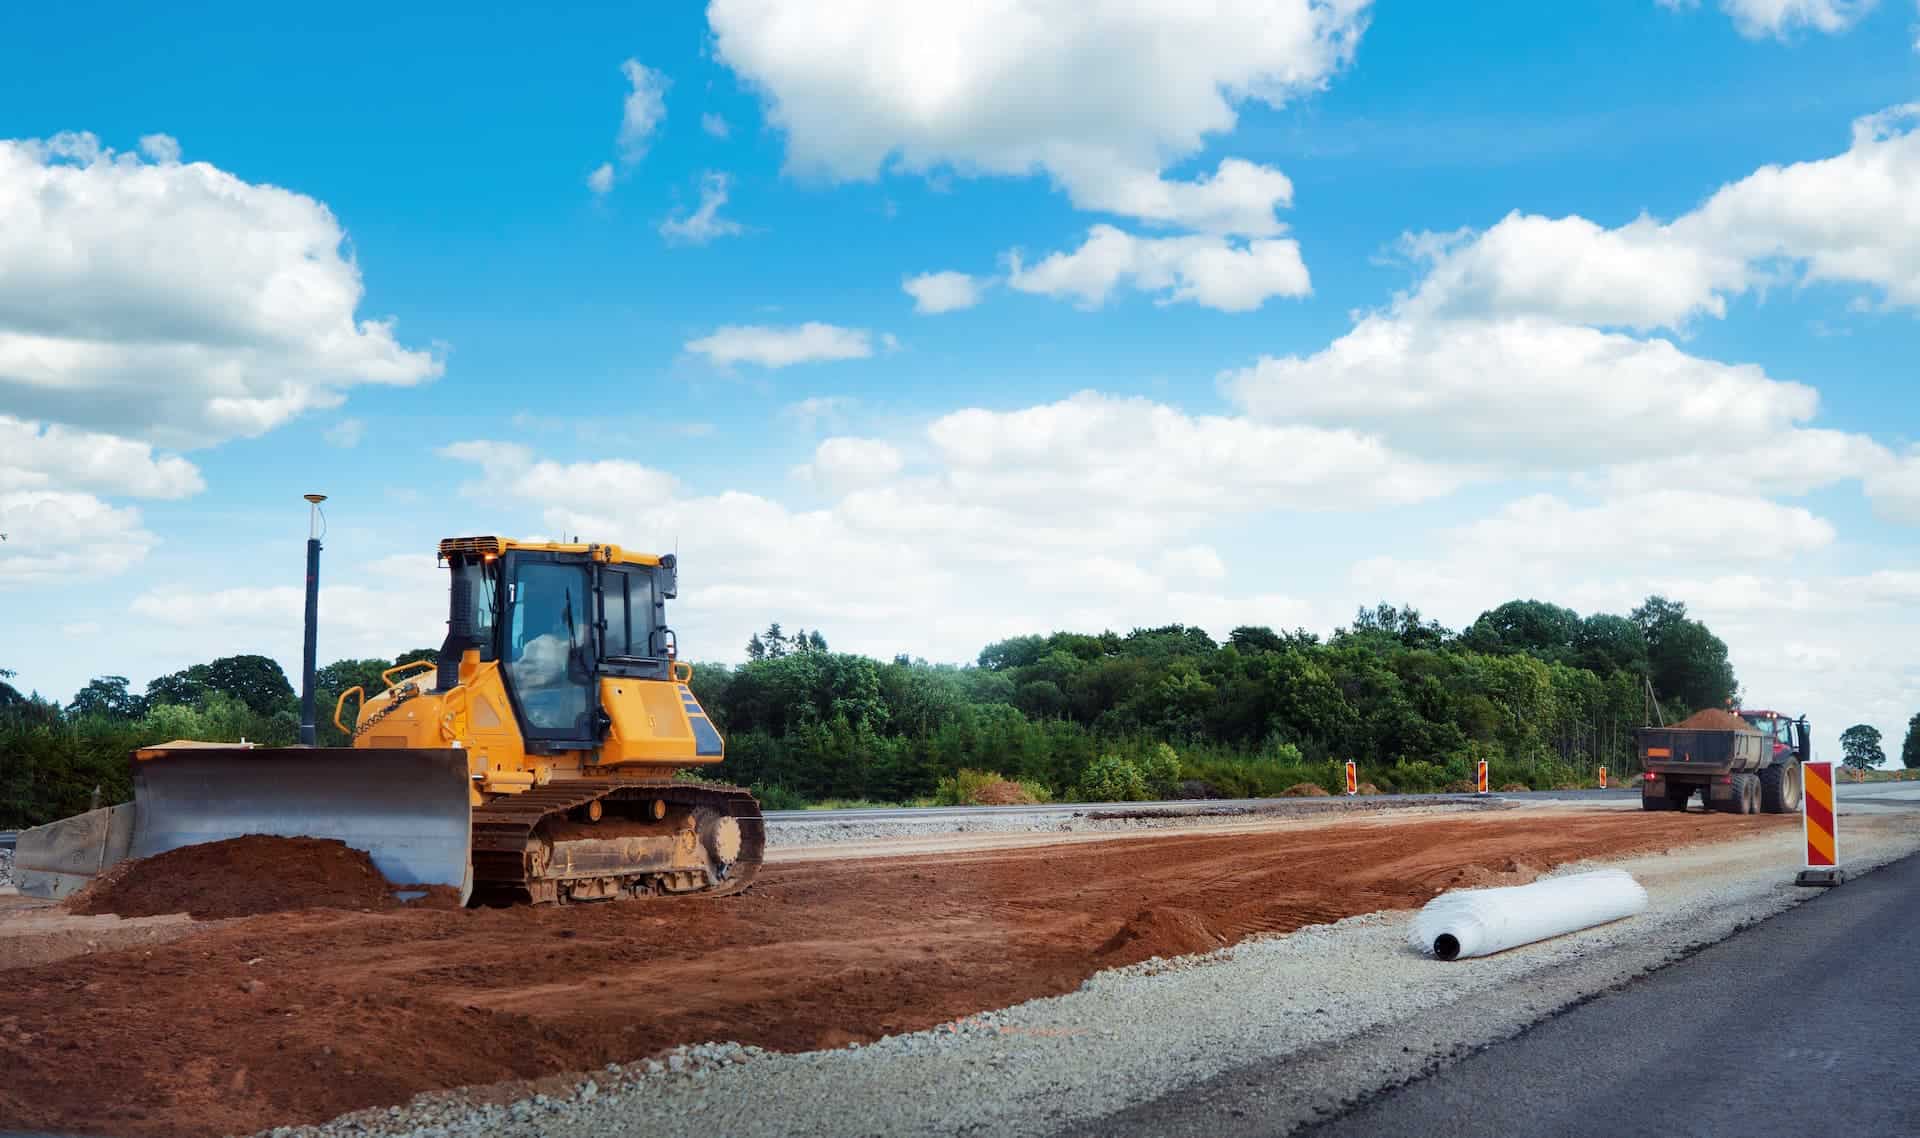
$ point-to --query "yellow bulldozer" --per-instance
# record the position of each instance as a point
(532, 761)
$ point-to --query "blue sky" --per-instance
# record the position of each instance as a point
(1298, 307)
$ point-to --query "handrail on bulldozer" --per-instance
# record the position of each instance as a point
(386, 677)
(341, 703)
(679, 676)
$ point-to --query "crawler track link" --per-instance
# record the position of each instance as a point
(507, 833)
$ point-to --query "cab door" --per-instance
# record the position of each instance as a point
(549, 650)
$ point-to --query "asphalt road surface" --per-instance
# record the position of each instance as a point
(1802, 1024)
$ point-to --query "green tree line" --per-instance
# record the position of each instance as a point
(1539, 691)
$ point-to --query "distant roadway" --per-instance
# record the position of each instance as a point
(1068, 809)
(1849, 792)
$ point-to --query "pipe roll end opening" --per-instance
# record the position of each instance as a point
(1446, 946)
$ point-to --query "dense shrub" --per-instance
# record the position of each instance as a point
(1111, 778)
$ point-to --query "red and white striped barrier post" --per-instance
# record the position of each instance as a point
(1480, 779)
(1821, 828)
(1353, 777)
(1603, 778)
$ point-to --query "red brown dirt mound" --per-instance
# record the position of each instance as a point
(242, 877)
(1512, 787)
(1162, 931)
(1003, 793)
(1369, 788)
(1714, 719)
(1304, 790)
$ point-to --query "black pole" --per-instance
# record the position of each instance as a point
(307, 734)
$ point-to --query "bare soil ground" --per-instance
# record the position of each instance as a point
(300, 1016)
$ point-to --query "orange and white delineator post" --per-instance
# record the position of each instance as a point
(1353, 777)
(1480, 779)
(1821, 827)
(1603, 778)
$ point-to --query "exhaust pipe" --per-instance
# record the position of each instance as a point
(1480, 922)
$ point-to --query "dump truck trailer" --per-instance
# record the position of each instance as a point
(1751, 768)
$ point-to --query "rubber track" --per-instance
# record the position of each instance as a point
(503, 830)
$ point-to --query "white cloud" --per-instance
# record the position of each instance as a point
(60, 536)
(1215, 272)
(1850, 219)
(1095, 448)
(1853, 219)
(714, 125)
(946, 291)
(601, 180)
(776, 347)
(1239, 197)
(1895, 489)
(1637, 276)
(1650, 530)
(1758, 19)
(1102, 95)
(161, 148)
(39, 456)
(817, 410)
(1521, 392)
(346, 434)
(705, 223)
(641, 114)
(1192, 563)
(843, 463)
(1797, 461)
(174, 302)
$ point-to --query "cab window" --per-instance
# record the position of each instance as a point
(548, 650)
(627, 595)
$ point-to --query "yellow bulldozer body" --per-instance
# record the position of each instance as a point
(651, 729)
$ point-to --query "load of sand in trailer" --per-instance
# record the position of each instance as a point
(1715, 719)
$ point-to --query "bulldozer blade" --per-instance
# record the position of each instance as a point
(59, 858)
(407, 808)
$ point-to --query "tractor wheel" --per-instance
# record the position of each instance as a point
(1780, 789)
(1736, 800)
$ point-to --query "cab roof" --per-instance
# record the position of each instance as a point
(490, 547)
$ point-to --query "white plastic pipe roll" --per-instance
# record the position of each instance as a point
(1479, 922)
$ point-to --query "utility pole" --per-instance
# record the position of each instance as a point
(315, 521)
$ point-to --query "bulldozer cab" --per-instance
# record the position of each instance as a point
(557, 618)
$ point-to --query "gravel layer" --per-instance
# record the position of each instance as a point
(1348, 1006)
(1085, 820)
(6, 868)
